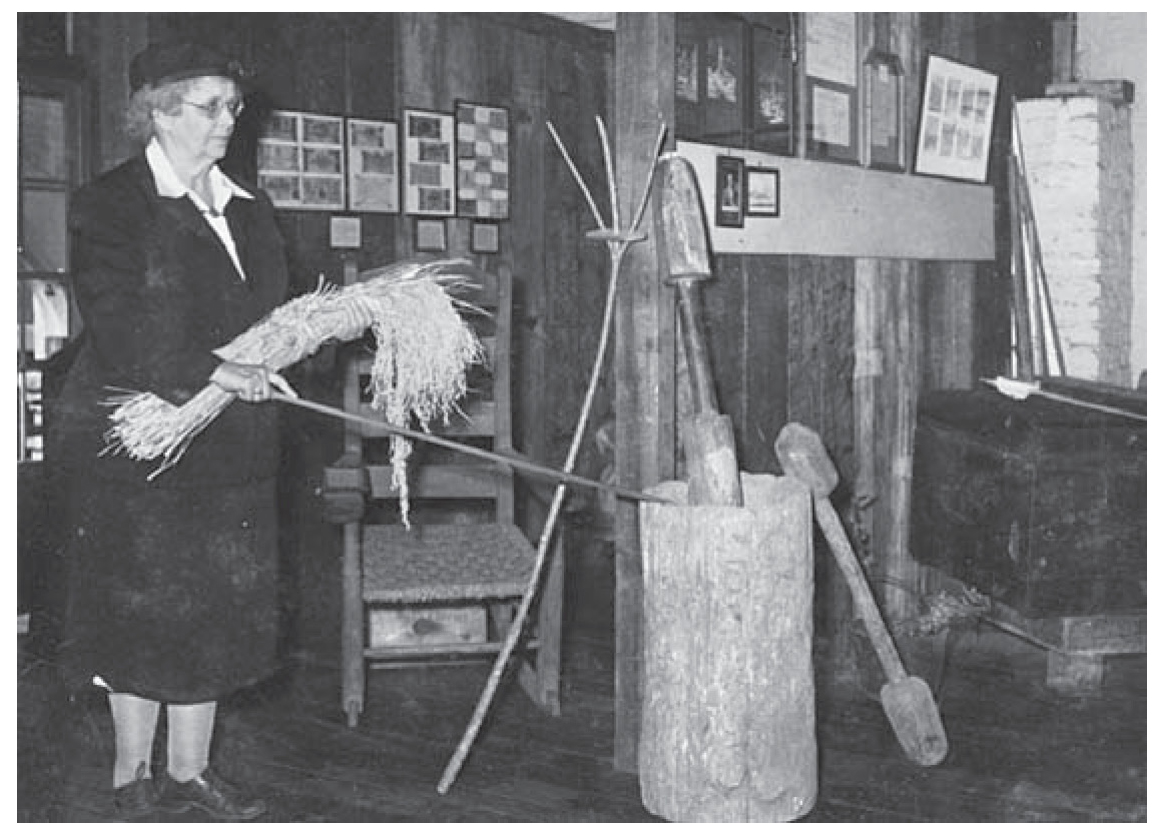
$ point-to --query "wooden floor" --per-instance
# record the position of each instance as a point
(1018, 752)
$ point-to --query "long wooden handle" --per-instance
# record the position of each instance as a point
(518, 463)
(703, 399)
(708, 441)
(830, 524)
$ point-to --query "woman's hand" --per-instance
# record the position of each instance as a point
(252, 383)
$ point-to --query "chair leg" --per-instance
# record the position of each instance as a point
(549, 658)
(352, 637)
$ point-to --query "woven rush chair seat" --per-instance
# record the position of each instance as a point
(445, 562)
(438, 591)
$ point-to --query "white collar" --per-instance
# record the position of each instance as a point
(222, 187)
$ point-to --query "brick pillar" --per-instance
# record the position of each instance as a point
(1079, 163)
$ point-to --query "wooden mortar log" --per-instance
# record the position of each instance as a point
(728, 724)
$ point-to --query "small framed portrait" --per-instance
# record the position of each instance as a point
(762, 192)
(729, 191)
(485, 238)
(430, 235)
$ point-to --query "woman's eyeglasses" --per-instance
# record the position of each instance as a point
(214, 108)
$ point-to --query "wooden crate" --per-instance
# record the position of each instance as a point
(1040, 505)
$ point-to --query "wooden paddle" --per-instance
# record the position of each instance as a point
(713, 476)
(906, 700)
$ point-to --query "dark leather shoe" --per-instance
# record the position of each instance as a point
(211, 794)
(138, 799)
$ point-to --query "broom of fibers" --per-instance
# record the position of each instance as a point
(617, 241)
(423, 350)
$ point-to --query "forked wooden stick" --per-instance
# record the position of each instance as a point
(617, 242)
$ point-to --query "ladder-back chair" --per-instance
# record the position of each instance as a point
(447, 588)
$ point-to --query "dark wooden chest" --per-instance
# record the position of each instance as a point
(1040, 505)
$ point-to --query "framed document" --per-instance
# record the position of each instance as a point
(956, 120)
(884, 111)
(831, 85)
(485, 238)
(762, 192)
(429, 164)
(373, 166)
(430, 234)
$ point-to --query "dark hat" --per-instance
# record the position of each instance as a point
(164, 62)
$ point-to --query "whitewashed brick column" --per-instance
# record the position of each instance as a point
(1079, 163)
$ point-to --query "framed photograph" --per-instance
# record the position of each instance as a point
(301, 161)
(430, 235)
(482, 161)
(485, 238)
(762, 192)
(773, 79)
(958, 103)
(729, 191)
(723, 78)
(429, 178)
(689, 84)
(373, 166)
(884, 111)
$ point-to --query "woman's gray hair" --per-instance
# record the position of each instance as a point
(167, 97)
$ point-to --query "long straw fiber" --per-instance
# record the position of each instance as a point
(423, 349)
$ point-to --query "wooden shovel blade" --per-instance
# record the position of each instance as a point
(909, 705)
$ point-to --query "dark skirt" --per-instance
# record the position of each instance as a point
(172, 593)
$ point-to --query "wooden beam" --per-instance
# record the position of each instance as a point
(830, 209)
(644, 363)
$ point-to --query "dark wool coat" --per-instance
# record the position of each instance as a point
(172, 581)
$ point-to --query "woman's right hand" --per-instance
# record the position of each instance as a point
(252, 383)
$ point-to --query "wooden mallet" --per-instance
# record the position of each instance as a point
(907, 701)
(708, 440)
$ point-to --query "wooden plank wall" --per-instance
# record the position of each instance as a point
(846, 346)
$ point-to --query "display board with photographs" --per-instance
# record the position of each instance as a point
(429, 179)
(956, 120)
(301, 160)
(373, 166)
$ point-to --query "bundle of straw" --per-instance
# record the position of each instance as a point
(423, 351)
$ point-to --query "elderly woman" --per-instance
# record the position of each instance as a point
(172, 586)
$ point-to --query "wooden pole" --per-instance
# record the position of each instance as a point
(1021, 308)
(644, 356)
